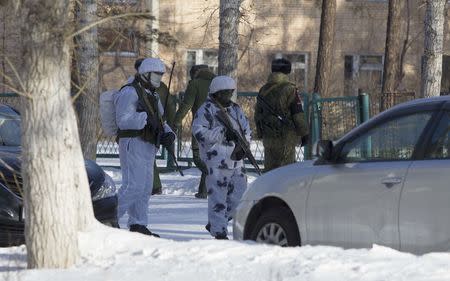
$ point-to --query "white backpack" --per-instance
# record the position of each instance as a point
(108, 113)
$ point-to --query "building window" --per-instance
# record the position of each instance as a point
(363, 73)
(299, 73)
(118, 42)
(200, 56)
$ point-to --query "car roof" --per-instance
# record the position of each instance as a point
(419, 102)
(393, 110)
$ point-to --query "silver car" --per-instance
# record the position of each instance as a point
(386, 182)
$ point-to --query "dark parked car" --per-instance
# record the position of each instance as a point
(103, 190)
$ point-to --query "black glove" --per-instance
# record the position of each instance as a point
(305, 140)
(230, 135)
(167, 139)
(238, 153)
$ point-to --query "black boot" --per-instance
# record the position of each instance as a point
(208, 227)
(156, 192)
(201, 195)
(221, 236)
(142, 229)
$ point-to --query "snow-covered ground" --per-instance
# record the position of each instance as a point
(186, 252)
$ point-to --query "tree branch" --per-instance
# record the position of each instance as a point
(145, 15)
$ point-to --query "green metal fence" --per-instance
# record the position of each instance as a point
(331, 118)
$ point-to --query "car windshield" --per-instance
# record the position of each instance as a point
(9, 126)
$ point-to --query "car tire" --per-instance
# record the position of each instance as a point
(276, 226)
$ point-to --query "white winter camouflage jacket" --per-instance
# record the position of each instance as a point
(127, 116)
(215, 150)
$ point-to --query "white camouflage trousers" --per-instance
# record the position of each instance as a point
(225, 188)
(137, 158)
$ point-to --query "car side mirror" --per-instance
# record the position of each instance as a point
(324, 150)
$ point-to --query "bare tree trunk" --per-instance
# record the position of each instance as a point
(434, 43)
(57, 198)
(228, 37)
(151, 26)
(406, 42)
(393, 51)
(326, 43)
(87, 70)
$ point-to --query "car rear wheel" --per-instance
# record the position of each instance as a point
(276, 226)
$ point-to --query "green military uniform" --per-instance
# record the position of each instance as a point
(169, 116)
(279, 138)
(195, 95)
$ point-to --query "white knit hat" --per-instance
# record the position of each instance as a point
(222, 83)
(151, 65)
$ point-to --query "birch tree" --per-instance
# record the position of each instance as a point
(434, 43)
(228, 37)
(87, 80)
(325, 52)
(392, 58)
(151, 27)
(57, 198)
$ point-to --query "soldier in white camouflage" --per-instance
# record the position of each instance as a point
(226, 180)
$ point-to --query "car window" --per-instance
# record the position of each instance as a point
(440, 141)
(392, 140)
(9, 126)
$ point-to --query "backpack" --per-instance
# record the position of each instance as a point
(108, 113)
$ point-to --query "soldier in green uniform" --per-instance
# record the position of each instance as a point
(195, 95)
(279, 117)
(169, 103)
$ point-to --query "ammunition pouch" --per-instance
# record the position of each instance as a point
(150, 135)
(153, 130)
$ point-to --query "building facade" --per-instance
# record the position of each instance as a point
(186, 32)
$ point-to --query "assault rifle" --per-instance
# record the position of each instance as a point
(168, 86)
(148, 108)
(283, 119)
(223, 117)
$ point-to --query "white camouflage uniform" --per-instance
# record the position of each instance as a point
(137, 157)
(226, 180)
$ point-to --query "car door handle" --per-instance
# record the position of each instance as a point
(390, 182)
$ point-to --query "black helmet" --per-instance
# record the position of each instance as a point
(196, 68)
(281, 65)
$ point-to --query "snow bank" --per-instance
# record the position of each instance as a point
(187, 253)
(111, 254)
